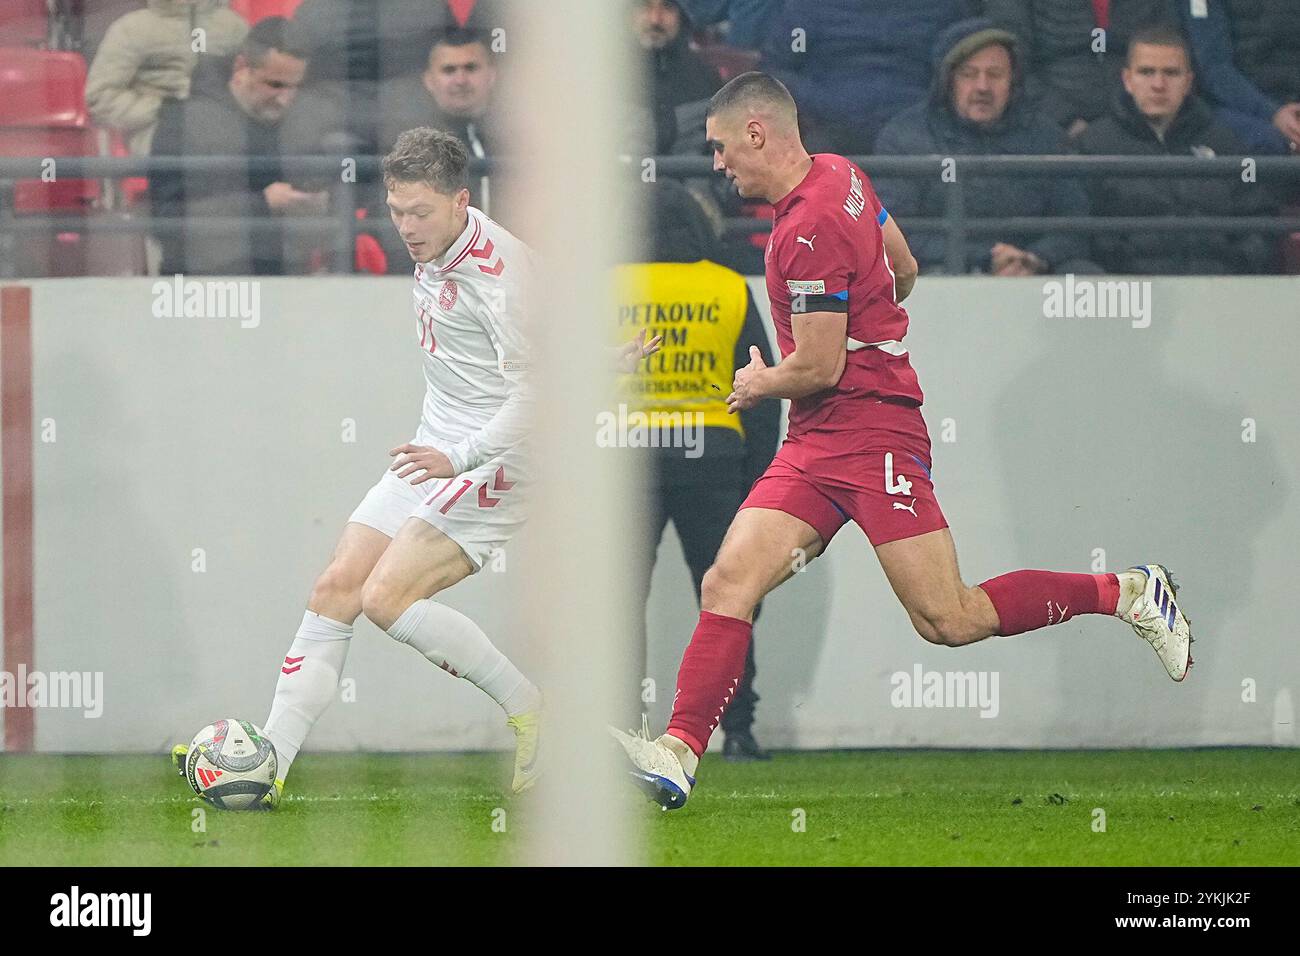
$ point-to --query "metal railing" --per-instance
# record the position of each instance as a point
(955, 223)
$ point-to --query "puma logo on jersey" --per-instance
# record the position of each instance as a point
(899, 506)
(806, 242)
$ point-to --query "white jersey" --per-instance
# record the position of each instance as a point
(470, 306)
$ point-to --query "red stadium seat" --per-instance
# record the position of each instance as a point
(23, 22)
(254, 10)
(62, 194)
(42, 88)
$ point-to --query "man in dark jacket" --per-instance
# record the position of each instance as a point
(1247, 57)
(853, 64)
(674, 73)
(1074, 49)
(456, 94)
(700, 488)
(246, 106)
(1156, 115)
(746, 20)
(977, 107)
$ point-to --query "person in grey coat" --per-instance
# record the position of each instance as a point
(148, 56)
(250, 105)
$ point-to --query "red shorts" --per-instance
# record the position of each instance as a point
(877, 476)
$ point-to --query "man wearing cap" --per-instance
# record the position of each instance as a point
(977, 106)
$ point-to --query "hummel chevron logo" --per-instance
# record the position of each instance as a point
(806, 242)
(292, 664)
(486, 253)
(499, 483)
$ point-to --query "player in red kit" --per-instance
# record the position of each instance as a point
(857, 448)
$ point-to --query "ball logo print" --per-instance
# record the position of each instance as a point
(231, 765)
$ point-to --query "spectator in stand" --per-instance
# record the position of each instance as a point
(746, 20)
(1157, 115)
(851, 65)
(147, 57)
(1247, 57)
(368, 56)
(249, 106)
(977, 107)
(1072, 70)
(456, 94)
(370, 41)
(678, 78)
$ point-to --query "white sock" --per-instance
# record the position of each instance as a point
(309, 678)
(1132, 584)
(459, 646)
(690, 762)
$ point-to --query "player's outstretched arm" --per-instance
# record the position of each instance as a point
(816, 363)
(900, 259)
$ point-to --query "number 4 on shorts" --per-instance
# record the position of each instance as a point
(895, 486)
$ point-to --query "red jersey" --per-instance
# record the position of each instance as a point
(827, 254)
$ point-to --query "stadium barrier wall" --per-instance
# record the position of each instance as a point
(192, 475)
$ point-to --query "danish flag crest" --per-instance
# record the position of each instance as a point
(447, 295)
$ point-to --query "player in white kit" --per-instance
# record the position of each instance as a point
(456, 491)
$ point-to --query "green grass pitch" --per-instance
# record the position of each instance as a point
(1162, 808)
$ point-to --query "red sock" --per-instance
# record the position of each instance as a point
(711, 668)
(1027, 600)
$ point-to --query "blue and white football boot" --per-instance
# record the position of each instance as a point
(1159, 620)
(657, 768)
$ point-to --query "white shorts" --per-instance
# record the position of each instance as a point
(480, 510)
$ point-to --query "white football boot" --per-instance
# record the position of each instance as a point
(658, 770)
(1159, 621)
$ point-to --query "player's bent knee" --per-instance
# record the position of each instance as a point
(724, 591)
(336, 592)
(382, 604)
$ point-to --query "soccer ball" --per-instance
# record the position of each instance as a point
(231, 764)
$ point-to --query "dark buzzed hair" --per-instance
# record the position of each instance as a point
(274, 33)
(429, 156)
(752, 90)
(1160, 34)
(460, 36)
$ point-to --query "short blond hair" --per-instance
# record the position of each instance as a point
(429, 156)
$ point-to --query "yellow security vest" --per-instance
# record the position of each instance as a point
(699, 309)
